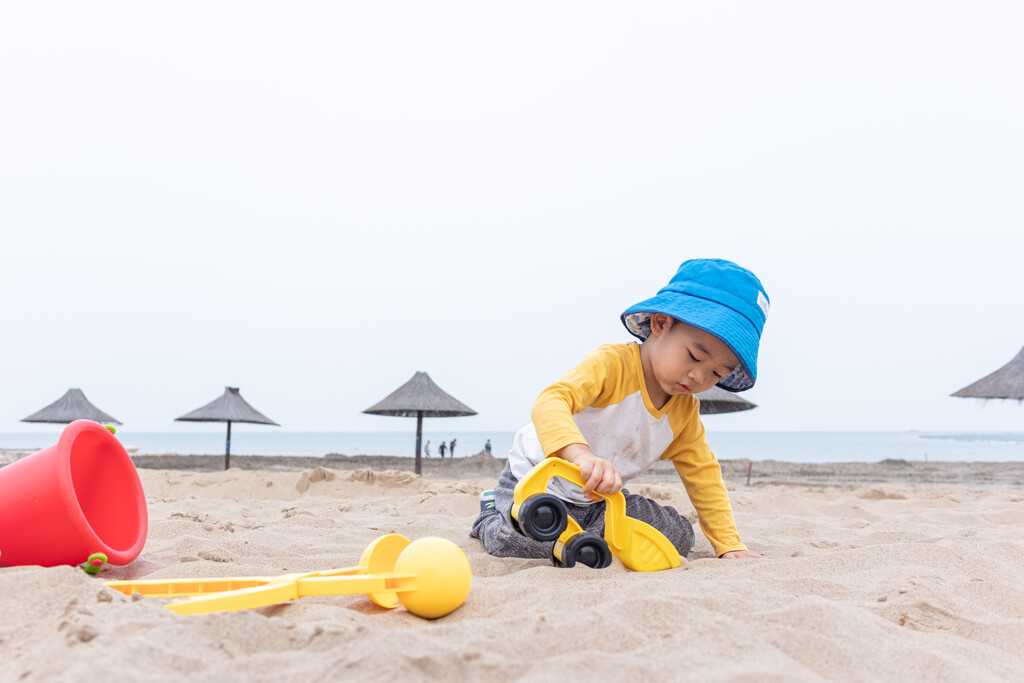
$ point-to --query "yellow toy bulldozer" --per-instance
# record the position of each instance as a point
(543, 517)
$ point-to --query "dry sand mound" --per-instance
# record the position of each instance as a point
(858, 583)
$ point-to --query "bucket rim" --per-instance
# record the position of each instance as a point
(71, 433)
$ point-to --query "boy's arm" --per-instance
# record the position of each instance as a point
(702, 477)
(554, 408)
(559, 436)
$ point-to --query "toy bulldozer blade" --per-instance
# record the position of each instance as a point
(543, 517)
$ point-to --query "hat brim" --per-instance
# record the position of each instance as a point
(732, 328)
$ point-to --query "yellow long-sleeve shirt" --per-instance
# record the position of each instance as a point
(603, 403)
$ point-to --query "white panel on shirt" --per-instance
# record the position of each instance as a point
(625, 433)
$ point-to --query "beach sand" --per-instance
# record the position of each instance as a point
(894, 571)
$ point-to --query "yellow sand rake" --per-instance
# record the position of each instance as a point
(430, 577)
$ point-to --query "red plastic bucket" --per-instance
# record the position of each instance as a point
(68, 501)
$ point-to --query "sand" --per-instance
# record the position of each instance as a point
(890, 573)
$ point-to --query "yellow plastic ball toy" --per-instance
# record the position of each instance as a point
(443, 577)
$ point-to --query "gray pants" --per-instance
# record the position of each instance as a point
(494, 527)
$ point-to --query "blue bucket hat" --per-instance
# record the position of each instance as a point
(716, 296)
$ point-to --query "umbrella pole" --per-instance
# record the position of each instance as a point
(227, 449)
(419, 439)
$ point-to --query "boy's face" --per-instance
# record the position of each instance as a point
(681, 359)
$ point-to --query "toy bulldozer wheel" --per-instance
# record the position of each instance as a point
(585, 548)
(542, 517)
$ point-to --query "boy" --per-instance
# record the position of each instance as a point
(626, 406)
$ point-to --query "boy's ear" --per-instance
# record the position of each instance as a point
(659, 323)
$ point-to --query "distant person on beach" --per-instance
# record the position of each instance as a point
(426, 449)
(440, 449)
(451, 449)
(487, 446)
(624, 407)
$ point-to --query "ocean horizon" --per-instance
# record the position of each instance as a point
(801, 447)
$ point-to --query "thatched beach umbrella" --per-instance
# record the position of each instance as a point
(1006, 382)
(72, 406)
(419, 398)
(230, 407)
(717, 400)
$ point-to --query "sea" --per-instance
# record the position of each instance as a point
(802, 447)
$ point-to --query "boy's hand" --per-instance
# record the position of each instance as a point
(598, 474)
(739, 554)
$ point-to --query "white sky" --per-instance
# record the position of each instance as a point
(312, 201)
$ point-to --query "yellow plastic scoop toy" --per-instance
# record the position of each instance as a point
(543, 517)
(430, 577)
